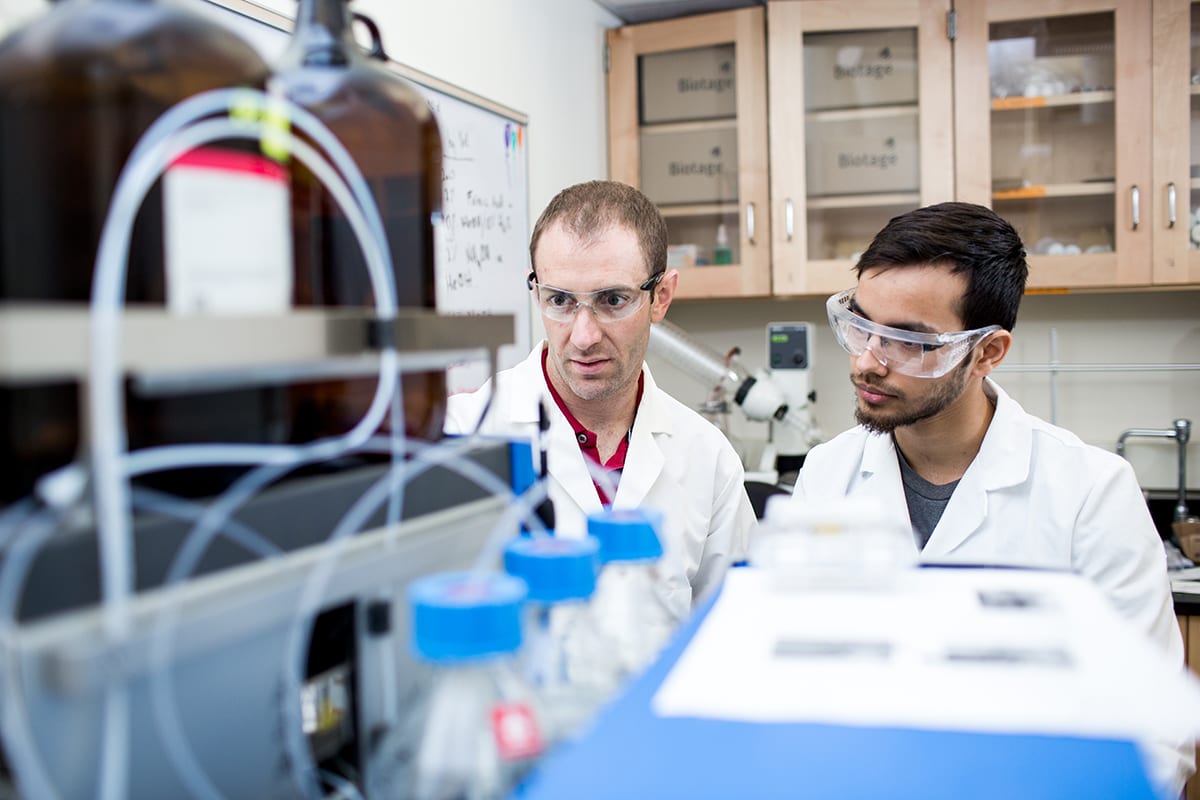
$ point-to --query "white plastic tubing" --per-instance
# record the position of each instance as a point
(172, 136)
(194, 122)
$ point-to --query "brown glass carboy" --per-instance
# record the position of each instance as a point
(78, 87)
(393, 138)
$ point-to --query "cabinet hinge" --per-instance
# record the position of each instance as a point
(951, 25)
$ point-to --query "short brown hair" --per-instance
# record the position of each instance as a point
(589, 209)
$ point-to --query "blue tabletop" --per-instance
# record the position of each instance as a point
(631, 753)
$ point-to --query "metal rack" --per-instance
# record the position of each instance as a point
(1055, 367)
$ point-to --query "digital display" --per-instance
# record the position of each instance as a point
(779, 338)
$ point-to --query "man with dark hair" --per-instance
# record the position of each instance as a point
(599, 279)
(941, 445)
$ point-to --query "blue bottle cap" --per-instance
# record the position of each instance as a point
(555, 569)
(628, 534)
(461, 616)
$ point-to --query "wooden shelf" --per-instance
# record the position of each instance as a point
(866, 112)
(691, 126)
(1051, 100)
(699, 209)
(1090, 189)
(863, 200)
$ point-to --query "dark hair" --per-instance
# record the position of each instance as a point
(969, 239)
(589, 209)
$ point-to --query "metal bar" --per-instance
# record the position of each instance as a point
(1098, 368)
(48, 341)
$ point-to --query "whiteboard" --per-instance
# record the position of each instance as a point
(481, 254)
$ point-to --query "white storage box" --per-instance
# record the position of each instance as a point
(689, 85)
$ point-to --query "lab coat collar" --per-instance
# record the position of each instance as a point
(645, 459)
(1002, 461)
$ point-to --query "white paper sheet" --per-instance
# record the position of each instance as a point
(1046, 654)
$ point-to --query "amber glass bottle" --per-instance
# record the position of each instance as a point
(78, 87)
(393, 138)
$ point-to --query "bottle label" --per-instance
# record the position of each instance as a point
(516, 731)
(227, 237)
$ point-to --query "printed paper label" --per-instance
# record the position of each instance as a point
(227, 235)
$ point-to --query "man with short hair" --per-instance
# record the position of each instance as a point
(599, 279)
(940, 444)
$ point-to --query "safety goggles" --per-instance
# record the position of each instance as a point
(607, 305)
(921, 355)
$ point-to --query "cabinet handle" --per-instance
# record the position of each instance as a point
(789, 218)
(1135, 204)
(750, 223)
(1171, 204)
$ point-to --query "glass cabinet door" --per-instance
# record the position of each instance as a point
(1176, 142)
(687, 125)
(1062, 149)
(860, 130)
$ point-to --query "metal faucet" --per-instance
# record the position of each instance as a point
(1181, 433)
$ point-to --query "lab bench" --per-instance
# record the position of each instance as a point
(630, 751)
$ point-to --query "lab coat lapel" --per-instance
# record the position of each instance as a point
(879, 476)
(1003, 460)
(645, 459)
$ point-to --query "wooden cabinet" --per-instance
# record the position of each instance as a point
(861, 130)
(1076, 120)
(1176, 187)
(687, 104)
(1053, 104)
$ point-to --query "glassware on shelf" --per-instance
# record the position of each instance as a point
(79, 85)
(389, 130)
(1053, 130)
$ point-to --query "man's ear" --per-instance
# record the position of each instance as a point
(664, 293)
(991, 351)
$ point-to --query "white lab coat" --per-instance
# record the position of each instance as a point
(677, 463)
(1036, 496)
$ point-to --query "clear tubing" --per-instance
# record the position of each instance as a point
(699, 360)
(33, 779)
(104, 398)
(238, 532)
(17, 564)
(220, 101)
(13, 517)
(314, 588)
(345, 789)
(165, 711)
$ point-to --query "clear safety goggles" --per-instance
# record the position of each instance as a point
(607, 305)
(921, 355)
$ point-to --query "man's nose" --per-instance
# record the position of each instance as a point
(868, 361)
(585, 328)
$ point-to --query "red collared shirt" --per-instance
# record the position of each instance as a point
(588, 441)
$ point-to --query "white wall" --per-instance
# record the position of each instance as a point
(545, 58)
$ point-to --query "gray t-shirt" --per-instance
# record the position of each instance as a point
(926, 501)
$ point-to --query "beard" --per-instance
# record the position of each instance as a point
(942, 393)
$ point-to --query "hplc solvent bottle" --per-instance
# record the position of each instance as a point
(628, 603)
(79, 86)
(565, 657)
(482, 725)
(393, 137)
